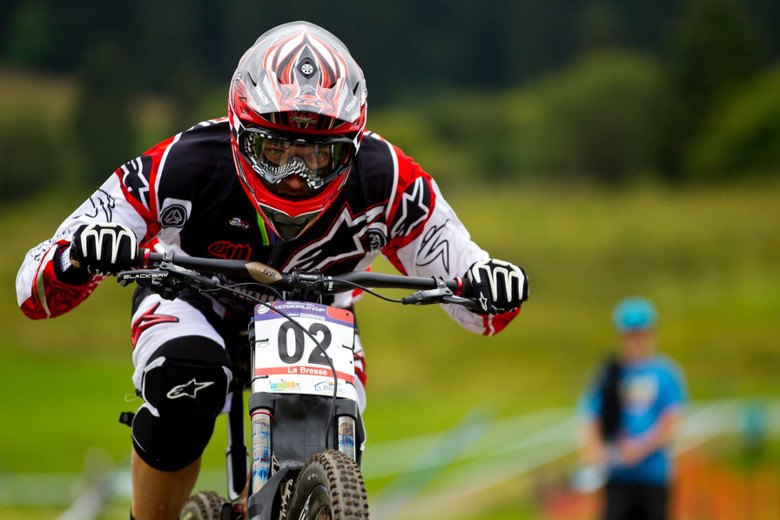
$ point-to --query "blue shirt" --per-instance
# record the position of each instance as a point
(648, 389)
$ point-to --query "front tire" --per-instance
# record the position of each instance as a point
(204, 505)
(329, 487)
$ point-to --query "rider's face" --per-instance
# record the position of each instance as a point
(291, 187)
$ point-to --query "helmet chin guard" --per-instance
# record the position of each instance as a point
(285, 226)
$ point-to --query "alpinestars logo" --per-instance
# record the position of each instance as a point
(414, 207)
(188, 389)
(135, 176)
(344, 238)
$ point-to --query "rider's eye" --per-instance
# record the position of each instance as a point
(274, 151)
(320, 156)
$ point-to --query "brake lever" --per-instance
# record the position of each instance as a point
(195, 279)
(427, 297)
(168, 280)
(460, 300)
(441, 294)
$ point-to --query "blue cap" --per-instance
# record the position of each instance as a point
(634, 314)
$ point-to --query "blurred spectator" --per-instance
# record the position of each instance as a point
(632, 410)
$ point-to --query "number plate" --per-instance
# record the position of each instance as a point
(287, 360)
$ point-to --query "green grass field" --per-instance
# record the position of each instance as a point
(709, 257)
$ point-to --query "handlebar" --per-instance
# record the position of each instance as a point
(164, 265)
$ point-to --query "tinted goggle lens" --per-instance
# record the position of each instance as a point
(316, 162)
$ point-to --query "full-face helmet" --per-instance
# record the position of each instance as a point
(297, 106)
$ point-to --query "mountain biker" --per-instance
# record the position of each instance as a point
(291, 178)
(632, 412)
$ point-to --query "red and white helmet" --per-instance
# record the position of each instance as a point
(297, 105)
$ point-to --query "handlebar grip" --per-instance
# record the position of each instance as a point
(143, 258)
(465, 290)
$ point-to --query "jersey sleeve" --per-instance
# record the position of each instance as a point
(426, 238)
(45, 286)
(151, 194)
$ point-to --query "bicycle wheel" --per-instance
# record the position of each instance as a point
(329, 487)
(204, 505)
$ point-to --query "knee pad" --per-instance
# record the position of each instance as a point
(185, 385)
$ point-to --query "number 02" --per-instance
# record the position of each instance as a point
(317, 356)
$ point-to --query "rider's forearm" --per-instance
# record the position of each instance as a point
(46, 286)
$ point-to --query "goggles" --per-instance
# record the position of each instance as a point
(274, 157)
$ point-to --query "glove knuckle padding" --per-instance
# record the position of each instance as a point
(500, 282)
(105, 247)
(184, 387)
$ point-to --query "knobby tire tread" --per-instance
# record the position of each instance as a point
(341, 477)
(203, 505)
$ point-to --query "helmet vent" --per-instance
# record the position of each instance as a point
(307, 68)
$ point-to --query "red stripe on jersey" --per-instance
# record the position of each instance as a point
(156, 153)
(59, 296)
(495, 324)
(139, 208)
(409, 172)
(360, 366)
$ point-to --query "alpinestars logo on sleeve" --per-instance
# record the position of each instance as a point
(188, 389)
(414, 206)
(135, 176)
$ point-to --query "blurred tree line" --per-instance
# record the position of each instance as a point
(672, 90)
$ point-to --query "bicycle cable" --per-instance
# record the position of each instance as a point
(356, 286)
(232, 289)
(331, 365)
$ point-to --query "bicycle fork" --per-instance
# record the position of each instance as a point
(261, 453)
